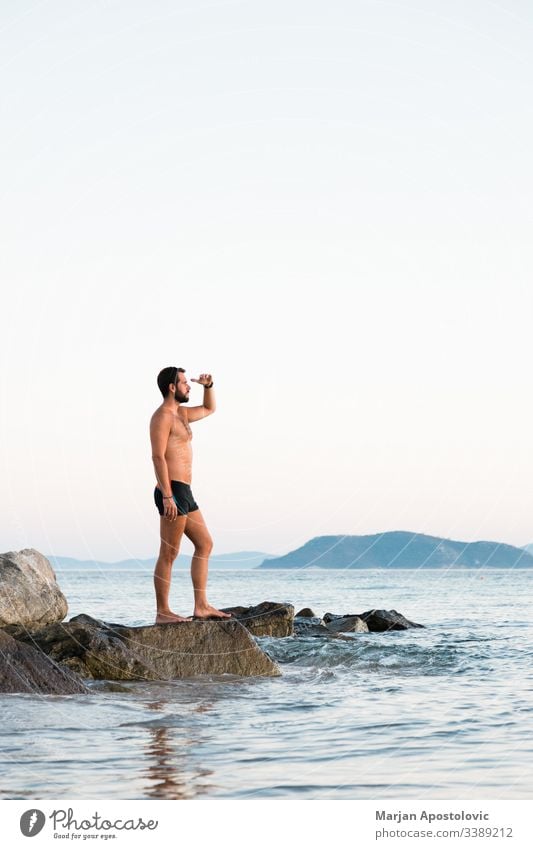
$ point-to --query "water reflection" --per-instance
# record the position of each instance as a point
(171, 772)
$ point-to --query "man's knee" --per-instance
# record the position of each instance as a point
(168, 552)
(204, 547)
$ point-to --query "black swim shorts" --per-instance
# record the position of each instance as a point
(182, 496)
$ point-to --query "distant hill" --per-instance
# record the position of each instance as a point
(399, 550)
(234, 560)
(529, 548)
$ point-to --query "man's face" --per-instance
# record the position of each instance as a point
(181, 395)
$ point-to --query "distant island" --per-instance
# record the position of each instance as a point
(389, 550)
(400, 550)
(234, 560)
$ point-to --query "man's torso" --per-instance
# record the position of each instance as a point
(178, 454)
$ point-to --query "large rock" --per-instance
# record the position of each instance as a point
(98, 649)
(268, 619)
(29, 593)
(376, 620)
(23, 669)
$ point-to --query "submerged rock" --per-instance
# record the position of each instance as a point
(376, 620)
(96, 649)
(24, 669)
(29, 593)
(268, 619)
(307, 626)
(100, 686)
(347, 624)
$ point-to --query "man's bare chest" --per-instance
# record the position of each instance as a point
(180, 431)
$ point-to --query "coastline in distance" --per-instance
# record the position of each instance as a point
(400, 550)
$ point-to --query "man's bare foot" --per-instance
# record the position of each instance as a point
(162, 618)
(209, 612)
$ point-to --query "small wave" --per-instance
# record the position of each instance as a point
(169, 721)
(363, 655)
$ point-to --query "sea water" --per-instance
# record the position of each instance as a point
(440, 712)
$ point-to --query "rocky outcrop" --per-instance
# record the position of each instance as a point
(96, 649)
(268, 619)
(24, 669)
(376, 620)
(29, 593)
(335, 624)
(40, 653)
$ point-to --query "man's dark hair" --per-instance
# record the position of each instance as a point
(167, 376)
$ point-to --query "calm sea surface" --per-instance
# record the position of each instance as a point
(444, 712)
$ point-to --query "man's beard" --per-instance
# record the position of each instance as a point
(180, 397)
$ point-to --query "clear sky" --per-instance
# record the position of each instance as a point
(326, 205)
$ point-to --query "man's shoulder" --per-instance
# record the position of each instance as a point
(161, 412)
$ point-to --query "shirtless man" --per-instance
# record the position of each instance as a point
(171, 436)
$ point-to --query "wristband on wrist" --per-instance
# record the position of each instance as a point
(168, 496)
(210, 385)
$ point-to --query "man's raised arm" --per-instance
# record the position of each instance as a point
(209, 406)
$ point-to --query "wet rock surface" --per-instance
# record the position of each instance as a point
(335, 624)
(268, 619)
(376, 620)
(347, 625)
(96, 649)
(24, 669)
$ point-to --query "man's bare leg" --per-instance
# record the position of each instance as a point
(171, 534)
(196, 531)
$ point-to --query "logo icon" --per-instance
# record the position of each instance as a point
(31, 822)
